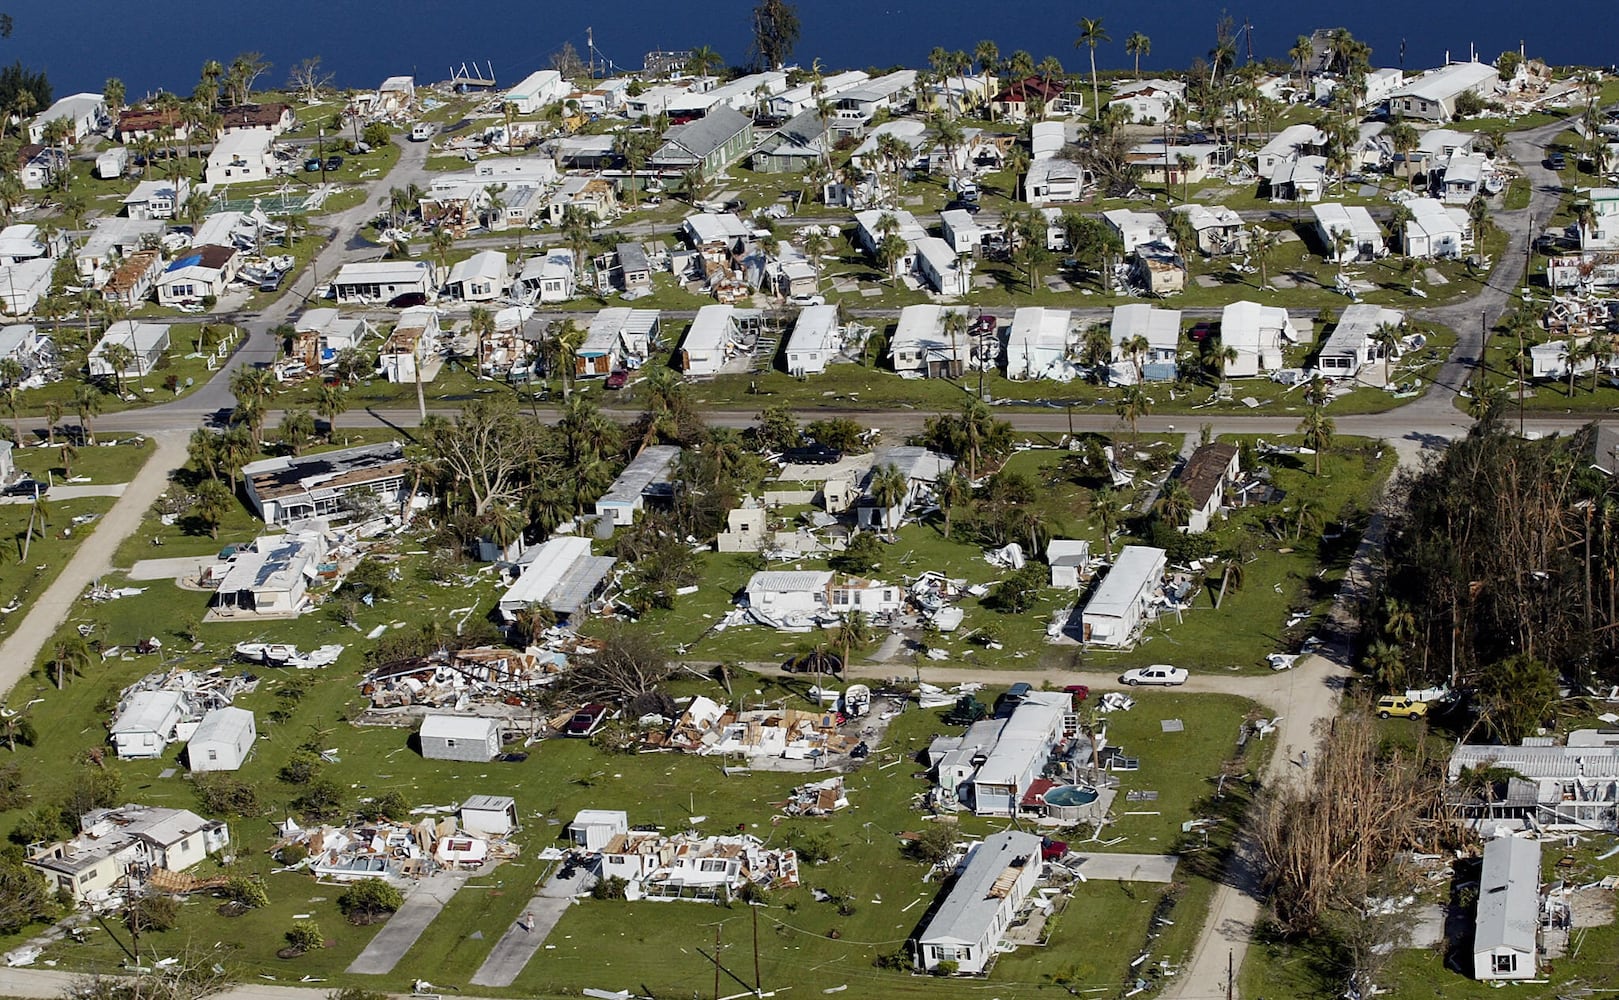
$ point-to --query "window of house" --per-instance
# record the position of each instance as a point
(449, 743)
(1505, 963)
(213, 754)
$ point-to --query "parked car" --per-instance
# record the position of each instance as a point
(422, 131)
(1079, 691)
(1200, 332)
(1158, 673)
(1398, 706)
(312, 165)
(274, 282)
(808, 300)
(27, 488)
(1053, 850)
(811, 454)
(618, 378)
(1556, 160)
(407, 300)
(333, 162)
(586, 721)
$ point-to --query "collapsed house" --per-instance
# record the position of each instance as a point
(1206, 475)
(710, 729)
(794, 600)
(692, 867)
(1562, 788)
(112, 843)
(818, 798)
(463, 678)
(292, 488)
(392, 851)
(166, 706)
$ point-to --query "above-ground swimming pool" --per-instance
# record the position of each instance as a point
(1071, 795)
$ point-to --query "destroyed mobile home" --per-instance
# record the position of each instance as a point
(167, 706)
(463, 678)
(711, 729)
(685, 866)
(397, 852)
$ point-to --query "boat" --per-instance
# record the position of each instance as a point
(856, 701)
(282, 262)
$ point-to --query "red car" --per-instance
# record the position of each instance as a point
(586, 721)
(1079, 691)
(618, 379)
(1052, 850)
(1200, 332)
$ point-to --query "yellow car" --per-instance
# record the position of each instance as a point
(1399, 706)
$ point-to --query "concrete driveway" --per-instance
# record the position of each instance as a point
(1125, 867)
(400, 933)
(514, 949)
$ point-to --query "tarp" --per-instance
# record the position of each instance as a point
(190, 260)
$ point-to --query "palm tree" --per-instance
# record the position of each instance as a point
(1109, 509)
(888, 487)
(1175, 503)
(70, 656)
(53, 416)
(1261, 249)
(119, 357)
(482, 325)
(951, 490)
(252, 388)
(1092, 34)
(295, 430)
(1317, 427)
(704, 61)
(988, 55)
(1017, 161)
(87, 404)
(1301, 53)
(67, 454)
(1132, 405)
(330, 403)
(1138, 45)
(11, 376)
(1186, 162)
(504, 525)
(214, 500)
(1231, 572)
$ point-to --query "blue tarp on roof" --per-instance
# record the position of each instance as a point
(188, 261)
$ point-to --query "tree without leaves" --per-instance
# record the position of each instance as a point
(308, 79)
(484, 450)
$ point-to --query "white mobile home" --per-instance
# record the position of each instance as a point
(23, 284)
(1434, 230)
(549, 278)
(938, 266)
(777, 593)
(816, 339)
(717, 334)
(222, 740)
(650, 473)
(1146, 344)
(83, 113)
(1134, 228)
(376, 282)
(594, 829)
(1257, 333)
(616, 338)
(921, 348)
(239, 157)
(1353, 344)
(1040, 343)
(963, 231)
(1432, 96)
(146, 722)
(1347, 232)
(967, 927)
(147, 343)
(479, 278)
(157, 199)
(542, 87)
(560, 574)
(1506, 936)
(1117, 610)
(272, 578)
(460, 737)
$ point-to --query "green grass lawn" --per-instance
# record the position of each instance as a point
(182, 368)
(53, 545)
(100, 464)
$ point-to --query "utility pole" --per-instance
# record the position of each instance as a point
(717, 928)
(1230, 975)
(758, 981)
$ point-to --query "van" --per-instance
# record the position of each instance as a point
(421, 132)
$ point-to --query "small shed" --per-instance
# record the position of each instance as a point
(593, 829)
(1506, 936)
(1070, 561)
(222, 740)
(489, 815)
(460, 737)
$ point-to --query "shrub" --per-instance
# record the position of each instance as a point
(368, 899)
(389, 805)
(860, 558)
(933, 844)
(153, 912)
(293, 853)
(813, 848)
(305, 936)
(247, 891)
(322, 802)
(948, 967)
(369, 577)
(611, 887)
(222, 794)
(13, 793)
(302, 769)
(1019, 590)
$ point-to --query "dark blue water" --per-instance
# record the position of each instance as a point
(164, 44)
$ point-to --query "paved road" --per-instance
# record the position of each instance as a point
(91, 560)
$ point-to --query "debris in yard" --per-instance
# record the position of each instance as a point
(1115, 701)
(818, 798)
(1172, 725)
(1282, 661)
